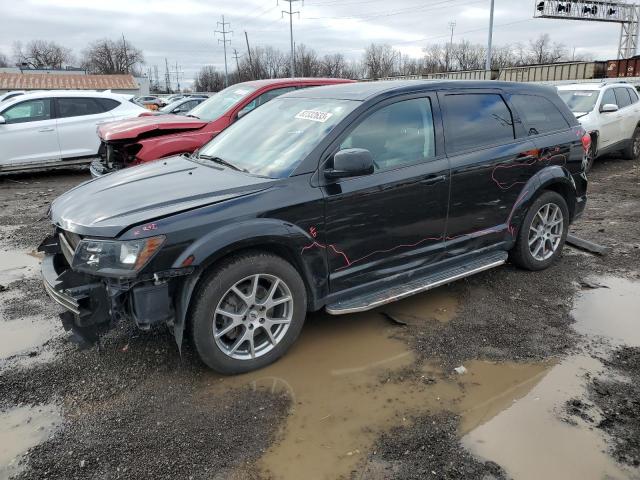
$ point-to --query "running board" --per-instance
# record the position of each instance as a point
(376, 298)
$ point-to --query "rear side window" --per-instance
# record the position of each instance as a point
(77, 107)
(107, 104)
(475, 120)
(633, 94)
(539, 114)
(622, 96)
(28, 111)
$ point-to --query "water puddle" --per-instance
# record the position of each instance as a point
(528, 439)
(348, 382)
(16, 265)
(22, 428)
(611, 312)
(25, 335)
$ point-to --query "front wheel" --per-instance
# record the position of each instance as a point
(632, 152)
(248, 311)
(543, 232)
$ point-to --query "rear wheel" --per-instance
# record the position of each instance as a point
(248, 312)
(632, 151)
(543, 232)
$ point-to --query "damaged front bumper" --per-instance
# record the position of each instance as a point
(95, 304)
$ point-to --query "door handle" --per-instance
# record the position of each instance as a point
(48, 129)
(433, 179)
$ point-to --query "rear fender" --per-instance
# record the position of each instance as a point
(554, 178)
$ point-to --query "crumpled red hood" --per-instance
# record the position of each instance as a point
(134, 127)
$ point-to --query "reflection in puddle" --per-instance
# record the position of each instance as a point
(613, 313)
(15, 265)
(345, 381)
(22, 428)
(528, 439)
(530, 442)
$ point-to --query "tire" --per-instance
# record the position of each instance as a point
(632, 151)
(253, 275)
(522, 254)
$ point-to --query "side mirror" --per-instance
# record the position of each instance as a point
(609, 107)
(351, 162)
(2, 120)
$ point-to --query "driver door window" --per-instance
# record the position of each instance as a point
(397, 135)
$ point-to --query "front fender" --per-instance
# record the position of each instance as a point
(275, 235)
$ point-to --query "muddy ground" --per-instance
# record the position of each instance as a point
(363, 396)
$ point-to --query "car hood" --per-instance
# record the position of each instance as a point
(135, 127)
(106, 206)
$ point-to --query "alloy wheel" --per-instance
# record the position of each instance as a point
(545, 232)
(253, 316)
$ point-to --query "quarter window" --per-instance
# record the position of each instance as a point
(29, 111)
(539, 114)
(77, 107)
(633, 94)
(396, 135)
(476, 120)
(107, 104)
(622, 97)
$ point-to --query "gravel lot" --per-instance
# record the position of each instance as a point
(137, 409)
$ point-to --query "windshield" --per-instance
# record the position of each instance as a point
(276, 137)
(220, 103)
(579, 101)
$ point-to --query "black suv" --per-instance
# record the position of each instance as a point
(342, 197)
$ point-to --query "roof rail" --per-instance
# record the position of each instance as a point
(607, 81)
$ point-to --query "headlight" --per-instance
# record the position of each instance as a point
(115, 258)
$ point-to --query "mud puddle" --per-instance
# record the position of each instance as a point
(529, 439)
(22, 428)
(16, 265)
(25, 336)
(349, 381)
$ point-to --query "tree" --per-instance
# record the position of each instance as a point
(41, 54)
(208, 79)
(379, 60)
(4, 60)
(543, 51)
(112, 57)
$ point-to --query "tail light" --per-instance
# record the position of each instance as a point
(586, 142)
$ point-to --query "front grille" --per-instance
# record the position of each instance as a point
(68, 244)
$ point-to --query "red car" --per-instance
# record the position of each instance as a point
(146, 138)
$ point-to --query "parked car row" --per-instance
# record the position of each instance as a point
(341, 197)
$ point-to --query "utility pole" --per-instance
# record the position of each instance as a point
(167, 77)
(246, 37)
(126, 55)
(236, 55)
(291, 13)
(224, 41)
(178, 73)
(490, 40)
(452, 26)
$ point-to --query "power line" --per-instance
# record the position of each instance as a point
(224, 41)
(291, 13)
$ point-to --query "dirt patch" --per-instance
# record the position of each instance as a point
(427, 448)
(617, 403)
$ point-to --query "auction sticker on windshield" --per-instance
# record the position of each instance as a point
(314, 115)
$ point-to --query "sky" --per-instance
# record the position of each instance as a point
(183, 31)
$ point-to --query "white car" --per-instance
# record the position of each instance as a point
(610, 112)
(49, 128)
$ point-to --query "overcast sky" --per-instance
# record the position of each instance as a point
(183, 30)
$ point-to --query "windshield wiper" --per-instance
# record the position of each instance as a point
(222, 162)
(192, 116)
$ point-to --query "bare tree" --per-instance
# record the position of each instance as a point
(542, 50)
(379, 60)
(112, 57)
(208, 79)
(4, 60)
(41, 54)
